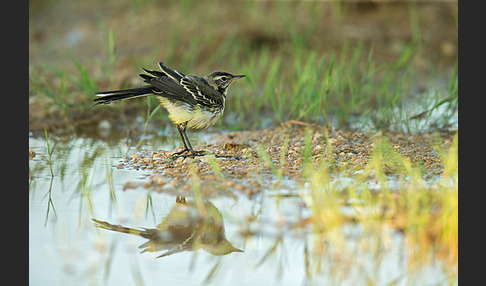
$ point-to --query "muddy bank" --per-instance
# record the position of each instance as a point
(277, 153)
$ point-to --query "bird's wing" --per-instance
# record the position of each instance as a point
(175, 249)
(167, 87)
(177, 86)
(173, 74)
(201, 91)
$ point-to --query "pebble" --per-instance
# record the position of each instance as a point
(317, 149)
(136, 157)
(129, 185)
(352, 150)
(168, 188)
(159, 180)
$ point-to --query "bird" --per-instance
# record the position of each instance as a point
(187, 227)
(191, 101)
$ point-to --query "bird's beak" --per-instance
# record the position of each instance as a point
(239, 76)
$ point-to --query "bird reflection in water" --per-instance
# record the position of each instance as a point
(187, 227)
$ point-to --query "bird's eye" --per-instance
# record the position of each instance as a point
(223, 78)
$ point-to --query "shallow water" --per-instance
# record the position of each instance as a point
(66, 248)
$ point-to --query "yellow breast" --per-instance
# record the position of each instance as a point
(195, 117)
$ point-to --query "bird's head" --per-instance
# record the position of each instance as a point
(221, 80)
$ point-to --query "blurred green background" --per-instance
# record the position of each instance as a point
(345, 64)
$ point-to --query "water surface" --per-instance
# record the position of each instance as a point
(66, 248)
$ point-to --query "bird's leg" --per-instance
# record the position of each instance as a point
(180, 200)
(187, 144)
(188, 147)
(179, 128)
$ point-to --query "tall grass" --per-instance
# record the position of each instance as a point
(424, 211)
(315, 87)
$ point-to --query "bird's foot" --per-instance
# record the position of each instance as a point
(192, 153)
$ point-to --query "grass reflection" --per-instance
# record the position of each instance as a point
(357, 223)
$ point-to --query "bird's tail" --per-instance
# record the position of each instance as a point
(106, 97)
(118, 228)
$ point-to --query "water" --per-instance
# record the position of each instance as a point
(66, 248)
